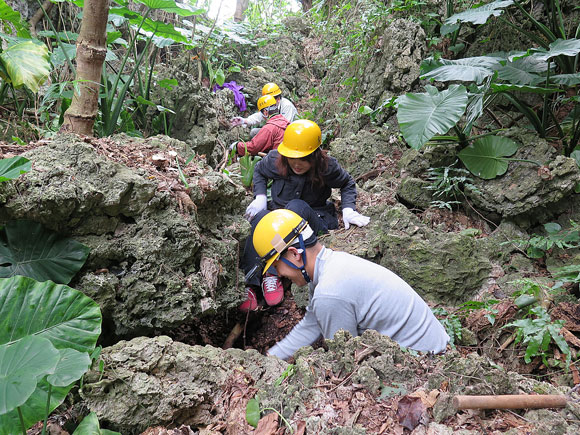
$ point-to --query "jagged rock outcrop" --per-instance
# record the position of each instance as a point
(161, 255)
(157, 381)
(525, 191)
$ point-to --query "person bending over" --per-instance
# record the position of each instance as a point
(346, 292)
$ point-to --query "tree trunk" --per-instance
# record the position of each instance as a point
(241, 6)
(306, 5)
(91, 50)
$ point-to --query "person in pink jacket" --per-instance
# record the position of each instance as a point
(270, 135)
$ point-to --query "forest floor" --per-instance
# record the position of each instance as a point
(389, 412)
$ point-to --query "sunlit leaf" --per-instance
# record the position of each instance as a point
(469, 69)
(479, 15)
(13, 167)
(26, 64)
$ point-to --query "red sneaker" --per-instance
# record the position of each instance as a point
(273, 289)
(251, 302)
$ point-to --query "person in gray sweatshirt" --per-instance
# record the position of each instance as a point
(346, 292)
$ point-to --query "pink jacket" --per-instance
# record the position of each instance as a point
(268, 138)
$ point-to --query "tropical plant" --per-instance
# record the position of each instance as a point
(452, 324)
(24, 62)
(47, 332)
(447, 184)
(556, 237)
(90, 426)
(254, 412)
(13, 167)
(247, 166)
(28, 249)
(137, 82)
(537, 331)
(424, 116)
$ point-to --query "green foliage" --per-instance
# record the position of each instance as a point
(487, 157)
(254, 412)
(537, 331)
(451, 322)
(287, 373)
(447, 184)
(47, 331)
(247, 165)
(422, 116)
(90, 426)
(28, 249)
(469, 306)
(556, 237)
(13, 168)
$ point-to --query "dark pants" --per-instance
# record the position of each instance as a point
(319, 220)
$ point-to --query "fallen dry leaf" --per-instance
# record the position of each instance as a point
(268, 425)
(409, 411)
(428, 399)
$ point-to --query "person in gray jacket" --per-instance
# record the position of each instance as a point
(303, 177)
(346, 292)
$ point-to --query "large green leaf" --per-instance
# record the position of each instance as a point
(422, 116)
(486, 157)
(566, 79)
(521, 71)
(479, 15)
(469, 69)
(20, 366)
(10, 15)
(28, 249)
(34, 409)
(90, 426)
(150, 27)
(560, 47)
(13, 168)
(72, 365)
(171, 6)
(60, 314)
(65, 316)
(27, 64)
(507, 87)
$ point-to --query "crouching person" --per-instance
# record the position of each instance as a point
(346, 292)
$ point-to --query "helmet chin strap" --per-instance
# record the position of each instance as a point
(301, 268)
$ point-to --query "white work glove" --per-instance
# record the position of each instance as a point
(237, 121)
(256, 206)
(349, 216)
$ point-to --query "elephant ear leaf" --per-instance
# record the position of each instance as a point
(13, 168)
(26, 64)
(62, 319)
(422, 116)
(90, 426)
(488, 157)
(28, 249)
(21, 364)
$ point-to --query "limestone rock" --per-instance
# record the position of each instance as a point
(361, 152)
(156, 381)
(152, 266)
(523, 190)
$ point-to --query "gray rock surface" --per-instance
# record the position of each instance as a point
(152, 266)
(523, 191)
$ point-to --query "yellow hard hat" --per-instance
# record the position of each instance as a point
(301, 138)
(271, 89)
(266, 101)
(275, 232)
